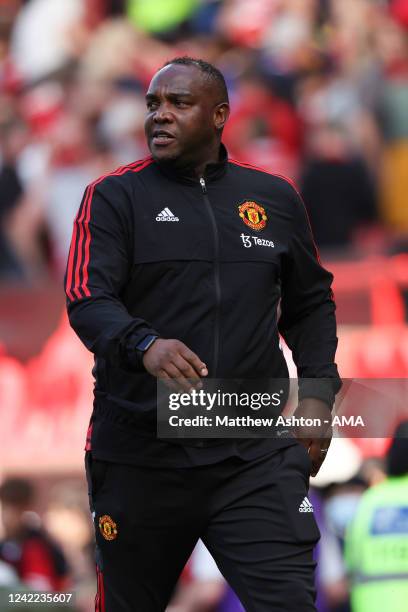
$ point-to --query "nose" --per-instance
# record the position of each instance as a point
(162, 115)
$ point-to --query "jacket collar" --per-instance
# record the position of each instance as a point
(212, 171)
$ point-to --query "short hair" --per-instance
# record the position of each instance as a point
(16, 492)
(210, 71)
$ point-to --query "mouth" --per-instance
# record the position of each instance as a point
(162, 138)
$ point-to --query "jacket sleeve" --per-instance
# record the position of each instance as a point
(98, 269)
(307, 322)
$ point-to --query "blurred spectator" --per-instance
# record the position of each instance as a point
(11, 190)
(98, 10)
(393, 120)
(68, 505)
(263, 129)
(337, 189)
(377, 539)
(41, 42)
(77, 158)
(372, 470)
(26, 547)
(340, 504)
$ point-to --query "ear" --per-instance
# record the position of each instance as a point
(221, 114)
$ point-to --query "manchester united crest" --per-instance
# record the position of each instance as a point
(107, 527)
(253, 215)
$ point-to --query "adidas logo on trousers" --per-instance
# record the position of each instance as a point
(305, 506)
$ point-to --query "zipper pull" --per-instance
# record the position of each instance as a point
(203, 185)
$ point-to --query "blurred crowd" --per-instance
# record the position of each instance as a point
(319, 92)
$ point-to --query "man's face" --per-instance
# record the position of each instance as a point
(182, 114)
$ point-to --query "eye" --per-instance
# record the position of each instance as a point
(151, 104)
(180, 103)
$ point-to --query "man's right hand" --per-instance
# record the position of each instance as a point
(176, 364)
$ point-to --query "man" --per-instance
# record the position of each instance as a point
(376, 550)
(161, 283)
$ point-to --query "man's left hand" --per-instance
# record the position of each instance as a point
(316, 438)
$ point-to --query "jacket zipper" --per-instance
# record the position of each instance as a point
(217, 282)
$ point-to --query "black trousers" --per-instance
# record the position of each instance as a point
(251, 515)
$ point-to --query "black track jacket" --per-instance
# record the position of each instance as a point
(203, 261)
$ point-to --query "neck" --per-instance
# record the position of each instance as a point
(213, 158)
(196, 168)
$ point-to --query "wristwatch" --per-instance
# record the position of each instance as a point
(136, 353)
(142, 347)
(145, 344)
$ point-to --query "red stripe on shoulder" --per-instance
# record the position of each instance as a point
(252, 167)
(80, 223)
(135, 167)
(147, 162)
(81, 226)
(74, 244)
(71, 263)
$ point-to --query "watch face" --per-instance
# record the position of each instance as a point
(145, 343)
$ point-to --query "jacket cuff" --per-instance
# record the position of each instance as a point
(134, 358)
(323, 389)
